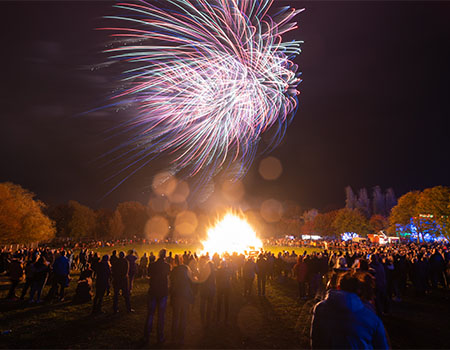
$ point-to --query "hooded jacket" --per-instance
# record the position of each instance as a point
(342, 321)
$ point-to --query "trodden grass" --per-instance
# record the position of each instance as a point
(277, 321)
(254, 323)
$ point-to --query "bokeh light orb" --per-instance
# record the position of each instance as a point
(270, 168)
(156, 228)
(186, 223)
(180, 193)
(271, 210)
(164, 184)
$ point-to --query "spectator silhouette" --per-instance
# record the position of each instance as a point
(207, 290)
(133, 269)
(15, 271)
(61, 270)
(101, 283)
(181, 296)
(249, 272)
(120, 282)
(28, 278)
(299, 272)
(143, 266)
(41, 270)
(157, 296)
(261, 274)
(223, 283)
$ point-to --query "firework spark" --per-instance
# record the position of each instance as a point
(208, 78)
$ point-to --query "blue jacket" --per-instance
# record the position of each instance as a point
(342, 321)
(61, 266)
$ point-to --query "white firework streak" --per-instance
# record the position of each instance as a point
(208, 78)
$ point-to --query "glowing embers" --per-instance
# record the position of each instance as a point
(229, 235)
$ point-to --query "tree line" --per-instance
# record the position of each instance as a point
(24, 219)
(417, 212)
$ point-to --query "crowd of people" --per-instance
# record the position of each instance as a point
(361, 280)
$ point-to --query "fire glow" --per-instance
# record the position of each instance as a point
(229, 235)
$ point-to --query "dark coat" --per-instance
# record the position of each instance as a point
(40, 271)
(103, 274)
(208, 287)
(159, 283)
(262, 267)
(300, 271)
(15, 270)
(223, 278)
(181, 285)
(250, 269)
(120, 270)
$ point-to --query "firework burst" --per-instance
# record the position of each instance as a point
(207, 77)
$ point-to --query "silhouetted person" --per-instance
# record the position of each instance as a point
(41, 270)
(313, 269)
(157, 296)
(249, 272)
(437, 269)
(299, 272)
(223, 285)
(120, 282)
(420, 271)
(101, 283)
(83, 292)
(143, 265)
(133, 268)
(83, 258)
(61, 270)
(94, 262)
(28, 278)
(380, 284)
(113, 259)
(207, 290)
(261, 274)
(181, 296)
(86, 273)
(15, 271)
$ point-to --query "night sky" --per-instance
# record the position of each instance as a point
(374, 103)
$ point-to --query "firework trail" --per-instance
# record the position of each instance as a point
(208, 78)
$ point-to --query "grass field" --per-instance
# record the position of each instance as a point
(277, 321)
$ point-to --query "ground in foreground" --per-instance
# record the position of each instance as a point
(278, 320)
